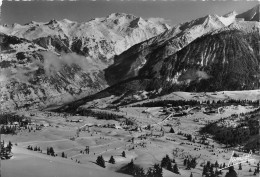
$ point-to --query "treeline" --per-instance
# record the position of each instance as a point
(5, 151)
(8, 129)
(174, 103)
(99, 115)
(136, 171)
(220, 103)
(34, 149)
(11, 118)
(242, 102)
(104, 115)
(208, 169)
(155, 171)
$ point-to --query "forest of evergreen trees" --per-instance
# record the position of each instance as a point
(246, 128)
(162, 103)
(11, 118)
(5, 151)
(219, 103)
(104, 115)
(6, 121)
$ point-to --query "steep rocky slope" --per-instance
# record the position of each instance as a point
(60, 61)
(130, 62)
(251, 14)
(31, 76)
(224, 58)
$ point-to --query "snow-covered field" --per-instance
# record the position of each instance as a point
(107, 141)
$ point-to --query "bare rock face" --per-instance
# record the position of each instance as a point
(59, 61)
(32, 76)
(129, 63)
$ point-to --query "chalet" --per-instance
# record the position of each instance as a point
(44, 124)
(76, 121)
(118, 127)
(89, 125)
(16, 123)
(98, 125)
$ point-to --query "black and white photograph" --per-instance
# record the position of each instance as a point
(129, 88)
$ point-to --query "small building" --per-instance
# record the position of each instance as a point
(76, 121)
(89, 125)
(44, 124)
(118, 127)
(16, 123)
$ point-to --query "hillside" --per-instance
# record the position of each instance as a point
(251, 14)
(130, 63)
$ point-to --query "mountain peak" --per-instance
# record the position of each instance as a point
(31, 23)
(119, 15)
(66, 21)
(52, 21)
(230, 14)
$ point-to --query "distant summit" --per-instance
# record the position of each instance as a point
(233, 13)
(250, 15)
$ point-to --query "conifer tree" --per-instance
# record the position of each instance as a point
(240, 167)
(100, 161)
(171, 130)
(176, 169)
(112, 160)
(123, 154)
(231, 172)
(169, 167)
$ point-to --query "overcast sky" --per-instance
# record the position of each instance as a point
(175, 11)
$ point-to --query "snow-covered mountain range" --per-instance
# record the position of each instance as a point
(60, 61)
(156, 49)
(212, 53)
(56, 61)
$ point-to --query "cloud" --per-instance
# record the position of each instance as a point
(19, 74)
(52, 64)
(192, 74)
(160, 20)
